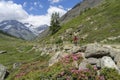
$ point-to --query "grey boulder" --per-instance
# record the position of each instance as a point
(3, 52)
(109, 63)
(94, 61)
(3, 72)
(95, 50)
(83, 64)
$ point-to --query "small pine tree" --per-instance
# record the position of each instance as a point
(55, 25)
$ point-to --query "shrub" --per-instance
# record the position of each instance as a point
(70, 72)
(58, 41)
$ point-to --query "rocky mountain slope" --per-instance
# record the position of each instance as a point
(100, 24)
(16, 29)
(41, 28)
(25, 31)
(78, 9)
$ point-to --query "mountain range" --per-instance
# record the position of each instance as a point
(21, 30)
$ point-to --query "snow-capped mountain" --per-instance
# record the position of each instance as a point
(36, 30)
(25, 31)
(41, 28)
(17, 29)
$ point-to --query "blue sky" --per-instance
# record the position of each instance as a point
(39, 7)
(36, 12)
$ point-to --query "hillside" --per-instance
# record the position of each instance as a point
(98, 24)
(14, 52)
(78, 9)
(52, 58)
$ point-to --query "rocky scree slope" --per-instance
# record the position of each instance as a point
(100, 23)
(78, 9)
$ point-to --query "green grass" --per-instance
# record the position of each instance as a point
(105, 18)
(17, 51)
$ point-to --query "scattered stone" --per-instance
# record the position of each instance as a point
(16, 65)
(82, 54)
(68, 46)
(117, 60)
(3, 52)
(94, 61)
(83, 65)
(82, 49)
(70, 30)
(3, 72)
(58, 55)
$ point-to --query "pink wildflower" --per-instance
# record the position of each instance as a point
(68, 78)
(95, 67)
(75, 58)
(62, 73)
(102, 78)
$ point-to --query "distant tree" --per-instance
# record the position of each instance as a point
(55, 25)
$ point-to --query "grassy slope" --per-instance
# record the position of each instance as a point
(99, 23)
(17, 51)
(13, 47)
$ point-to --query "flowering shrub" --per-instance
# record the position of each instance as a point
(70, 72)
(67, 69)
(69, 59)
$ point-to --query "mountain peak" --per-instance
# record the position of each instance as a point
(25, 31)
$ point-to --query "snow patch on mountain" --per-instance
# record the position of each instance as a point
(8, 26)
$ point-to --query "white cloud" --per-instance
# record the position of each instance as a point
(13, 11)
(31, 8)
(35, 3)
(10, 10)
(24, 4)
(40, 6)
(60, 6)
(69, 9)
(54, 1)
(37, 20)
(53, 9)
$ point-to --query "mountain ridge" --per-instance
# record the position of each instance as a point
(21, 30)
(78, 9)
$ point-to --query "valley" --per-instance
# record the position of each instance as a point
(28, 54)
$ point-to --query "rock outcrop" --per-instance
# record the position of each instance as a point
(58, 55)
(3, 72)
(94, 61)
(108, 62)
(102, 55)
(3, 52)
(96, 50)
(16, 65)
(95, 54)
